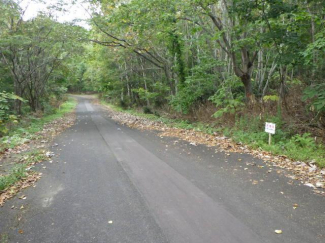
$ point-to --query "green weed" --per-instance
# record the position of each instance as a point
(298, 147)
(4, 238)
(31, 125)
(19, 171)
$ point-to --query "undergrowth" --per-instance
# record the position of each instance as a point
(28, 127)
(20, 170)
(26, 131)
(250, 131)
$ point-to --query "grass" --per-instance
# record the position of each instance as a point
(23, 133)
(19, 171)
(4, 238)
(286, 142)
(26, 130)
(250, 131)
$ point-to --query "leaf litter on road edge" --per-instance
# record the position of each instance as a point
(46, 135)
(307, 173)
(18, 186)
(43, 138)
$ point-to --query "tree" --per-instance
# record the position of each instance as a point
(33, 50)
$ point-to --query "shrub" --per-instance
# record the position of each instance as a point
(147, 110)
(316, 96)
(6, 114)
(123, 104)
(228, 98)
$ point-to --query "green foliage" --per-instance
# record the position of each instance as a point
(250, 130)
(123, 104)
(267, 98)
(302, 141)
(198, 87)
(316, 95)
(228, 99)
(19, 171)
(6, 114)
(182, 54)
(147, 110)
(4, 238)
(176, 47)
(318, 46)
(29, 126)
(145, 94)
(303, 147)
(162, 92)
(34, 54)
(59, 92)
(230, 106)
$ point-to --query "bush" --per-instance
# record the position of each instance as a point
(59, 92)
(48, 109)
(228, 98)
(316, 96)
(156, 114)
(6, 114)
(147, 110)
(123, 104)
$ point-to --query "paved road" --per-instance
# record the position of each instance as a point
(156, 190)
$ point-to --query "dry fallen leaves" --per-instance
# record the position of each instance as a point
(46, 135)
(13, 190)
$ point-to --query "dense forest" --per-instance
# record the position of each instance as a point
(227, 62)
(36, 57)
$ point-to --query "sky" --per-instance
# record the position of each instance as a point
(72, 11)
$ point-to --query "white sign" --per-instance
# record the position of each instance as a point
(270, 128)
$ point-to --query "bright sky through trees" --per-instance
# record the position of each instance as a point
(73, 10)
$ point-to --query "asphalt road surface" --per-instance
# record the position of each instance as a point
(110, 183)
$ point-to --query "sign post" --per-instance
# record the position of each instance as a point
(270, 129)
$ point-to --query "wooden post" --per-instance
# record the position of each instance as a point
(270, 138)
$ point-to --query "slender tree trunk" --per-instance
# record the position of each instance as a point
(282, 90)
(247, 81)
(169, 80)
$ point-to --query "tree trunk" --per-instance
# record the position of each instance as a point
(247, 81)
(169, 80)
(18, 103)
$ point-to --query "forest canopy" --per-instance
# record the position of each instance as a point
(183, 53)
(259, 57)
